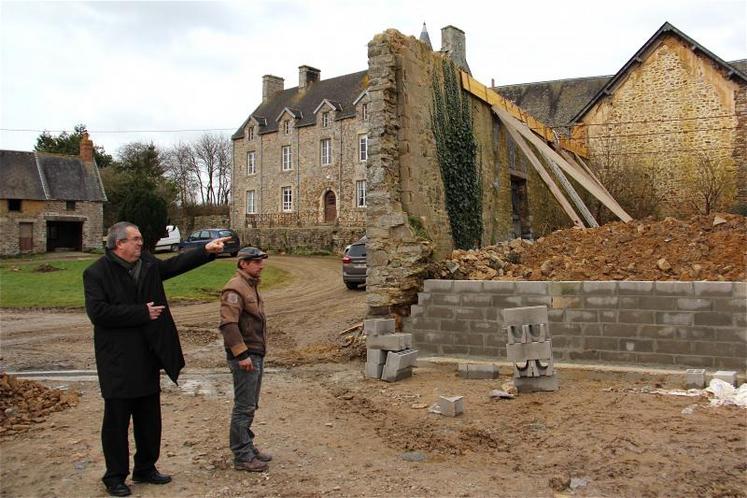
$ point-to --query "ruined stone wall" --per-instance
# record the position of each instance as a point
(675, 105)
(38, 213)
(405, 185)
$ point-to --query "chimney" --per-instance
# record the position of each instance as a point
(271, 86)
(453, 44)
(306, 76)
(86, 148)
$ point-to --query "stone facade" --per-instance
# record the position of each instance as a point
(673, 107)
(318, 162)
(39, 213)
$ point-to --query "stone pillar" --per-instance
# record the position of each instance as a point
(454, 44)
(307, 75)
(86, 148)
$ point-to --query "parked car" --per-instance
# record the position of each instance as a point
(200, 237)
(171, 241)
(354, 264)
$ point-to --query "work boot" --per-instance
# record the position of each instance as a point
(262, 456)
(254, 465)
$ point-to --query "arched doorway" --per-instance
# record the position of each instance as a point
(330, 207)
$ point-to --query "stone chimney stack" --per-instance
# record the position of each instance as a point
(271, 86)
(307, 75)
(454, 44)
(86, 148)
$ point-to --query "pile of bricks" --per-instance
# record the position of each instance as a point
(389, 355)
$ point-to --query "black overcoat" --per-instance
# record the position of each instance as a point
(131, 349)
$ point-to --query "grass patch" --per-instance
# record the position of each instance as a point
(59, 284)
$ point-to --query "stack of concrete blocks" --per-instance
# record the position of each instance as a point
(529, 348)
(478, 371)
(389, 356)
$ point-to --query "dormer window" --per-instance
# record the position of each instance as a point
(250, 133)
(364, 112)
(325, 119)
(286, 127)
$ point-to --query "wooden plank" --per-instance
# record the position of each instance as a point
(486, 94)
(556, 192)
(581, 177)
(572, 193)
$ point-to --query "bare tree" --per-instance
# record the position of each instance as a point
(709, 181)
(181, 167)
(201, 170)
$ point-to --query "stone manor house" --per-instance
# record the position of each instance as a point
(300, 158)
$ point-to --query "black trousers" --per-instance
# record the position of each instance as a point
(146, 422)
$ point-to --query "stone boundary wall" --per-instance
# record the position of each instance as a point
(684, 324)
(332, 239)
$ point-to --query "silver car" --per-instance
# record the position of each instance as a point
(354, 264)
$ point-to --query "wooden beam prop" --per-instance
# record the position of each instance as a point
(556, 192)
(493, 98)
(583, 178)
(572, 193)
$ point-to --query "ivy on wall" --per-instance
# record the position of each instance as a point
(456, 148)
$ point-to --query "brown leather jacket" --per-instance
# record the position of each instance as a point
(241, 304)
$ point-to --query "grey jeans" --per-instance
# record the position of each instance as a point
(246, 387)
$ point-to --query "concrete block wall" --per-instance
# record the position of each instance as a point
(688, 324)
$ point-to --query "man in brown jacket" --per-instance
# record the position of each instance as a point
(244, 329)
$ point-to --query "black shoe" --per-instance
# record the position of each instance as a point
(154, 477)
(119, 489)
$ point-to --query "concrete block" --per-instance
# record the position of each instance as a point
(465, 286)
(397, 360)
(518, 352)
(424, 298)
(669, 318)
(713, 318)
(416, 310)
(740, 290)
(390, 342)
(478, 371)
(582, 316)
(729, 376)
(445, 300)
(538, 288)
(692, 304)
(498, 287)
(378, 326)
(525, 315)
(451, 406)
(713, 289)
(545, 383)
(564, 288)
(373, 370)
(695, 378)
(396, 376)
(635, 288)
(597, 288)
(438, 285)
(375, 356)
(526, 333)
(673, 288)
(534, 368)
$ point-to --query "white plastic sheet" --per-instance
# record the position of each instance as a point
(726, 394)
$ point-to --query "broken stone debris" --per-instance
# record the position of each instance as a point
(24, 403)
(529, 348)
(389, 355)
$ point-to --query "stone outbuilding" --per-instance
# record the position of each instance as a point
(50, 202)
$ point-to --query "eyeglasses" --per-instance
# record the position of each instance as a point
(133, 239)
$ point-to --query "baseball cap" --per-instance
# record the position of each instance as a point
(251, 253)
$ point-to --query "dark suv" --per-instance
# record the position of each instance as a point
(200, 237)
(354, 264)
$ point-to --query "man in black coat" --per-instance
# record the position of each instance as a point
(134, 337)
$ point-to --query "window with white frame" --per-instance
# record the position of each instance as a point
(250, 133)
(364, 112)
(286, 157)
(250, 206)
(362, 147)
(360, 193)
(325, 119)
(325, 150)
(287, 196)
(251, 163)
(286, 127)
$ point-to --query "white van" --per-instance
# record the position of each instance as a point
(171, 241)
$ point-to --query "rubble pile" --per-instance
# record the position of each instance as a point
(707, 247)
(25, 402)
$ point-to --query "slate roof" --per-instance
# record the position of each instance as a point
(553, 102)
(42, 176)
(342, 90)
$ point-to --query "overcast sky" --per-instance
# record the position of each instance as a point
(138, 67)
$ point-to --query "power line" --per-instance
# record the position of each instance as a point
(646, 134)
(27, 130)
(645, 121)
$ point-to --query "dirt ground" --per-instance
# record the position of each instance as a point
(332, 432)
